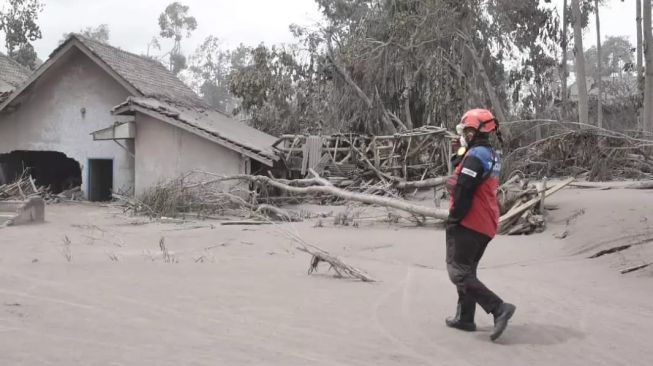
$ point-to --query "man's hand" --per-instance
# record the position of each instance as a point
(455, 144)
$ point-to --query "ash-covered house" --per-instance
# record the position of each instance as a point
(12, 75)
(108, 120)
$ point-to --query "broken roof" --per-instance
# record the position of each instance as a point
(207, 123)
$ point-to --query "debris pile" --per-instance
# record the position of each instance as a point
(196, 194)
(21, 189)
(592, 153)
(521, 203)
(25, 187)
(203, 194)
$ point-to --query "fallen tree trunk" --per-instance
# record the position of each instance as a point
(328, 188)
(519, 215)
(641, 185)
(426, 183)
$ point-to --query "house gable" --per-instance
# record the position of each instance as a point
(57, 57)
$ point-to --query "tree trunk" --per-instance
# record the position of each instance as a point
(386, 122)
(581, 80)
(426, 183)
(640, 66)
(599, 78)
(327, 188)
(564, 70)
(648, 81)
(497, 109)
(640, 57)
(408, 81)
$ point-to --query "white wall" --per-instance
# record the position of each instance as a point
(165, 152)
(49, 117)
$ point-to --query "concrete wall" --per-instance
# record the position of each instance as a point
(165, 152)
(50, 117)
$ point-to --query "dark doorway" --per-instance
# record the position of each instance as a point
(50, 169)
(100, 183)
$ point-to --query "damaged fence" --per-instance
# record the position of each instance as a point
(351, 159)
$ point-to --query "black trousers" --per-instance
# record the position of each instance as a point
(465, 249)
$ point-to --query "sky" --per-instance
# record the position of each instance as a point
(617, 18)
(133, 23)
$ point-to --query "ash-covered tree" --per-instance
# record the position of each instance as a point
(647, 121)
(426, 61)
(382, 66)
(579, 52)
(616, 57)
(209, 69)
(276, 92)
(18, 23)
(175, 24)
(101, 33)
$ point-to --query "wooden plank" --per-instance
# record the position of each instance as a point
(525, 206)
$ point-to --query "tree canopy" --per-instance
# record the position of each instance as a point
(18, 23)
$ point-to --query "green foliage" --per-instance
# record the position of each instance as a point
(18, 23)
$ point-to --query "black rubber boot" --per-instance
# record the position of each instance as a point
(462, 319)
(467, 311)
(501, 316)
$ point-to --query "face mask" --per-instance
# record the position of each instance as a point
(463, 142)
(459, 130)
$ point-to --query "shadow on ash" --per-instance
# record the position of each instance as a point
(17, 212)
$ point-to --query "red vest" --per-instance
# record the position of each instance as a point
(483, 215)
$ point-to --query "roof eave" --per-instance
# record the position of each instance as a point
(129, 108)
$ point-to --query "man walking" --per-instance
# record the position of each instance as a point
(473, 221)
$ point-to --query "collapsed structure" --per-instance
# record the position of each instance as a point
(409, 156)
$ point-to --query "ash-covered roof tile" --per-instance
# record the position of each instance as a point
(11, 72)
(148, 76)
(212, 122)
